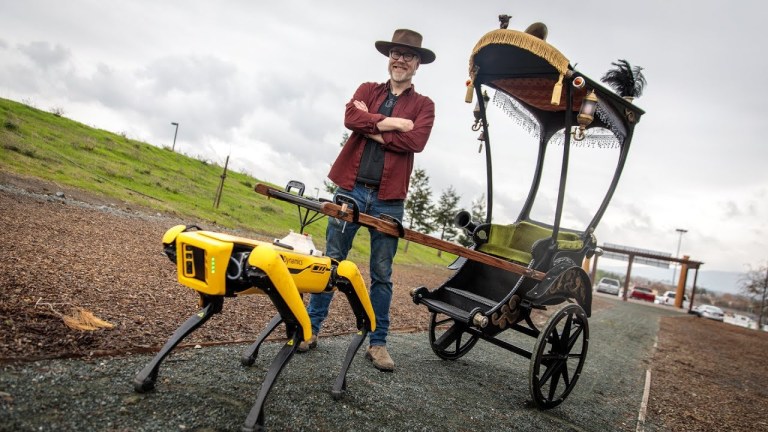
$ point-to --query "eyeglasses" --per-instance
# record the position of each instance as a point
(395, 54)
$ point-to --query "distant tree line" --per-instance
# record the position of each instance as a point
(754, 284)
(437, 218)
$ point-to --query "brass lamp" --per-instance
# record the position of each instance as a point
(586, 115)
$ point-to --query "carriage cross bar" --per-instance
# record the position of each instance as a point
(395, 228)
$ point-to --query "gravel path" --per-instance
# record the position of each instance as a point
(207, 389)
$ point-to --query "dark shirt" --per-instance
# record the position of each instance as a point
(399, 147)
(372, 160)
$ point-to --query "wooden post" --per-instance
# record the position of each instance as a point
(629, 274)
(680, 293)
(693, 290)
(221, 185)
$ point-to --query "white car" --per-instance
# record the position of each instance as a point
(668, 298)
(609, 285)
(741, 321)
(709, 311)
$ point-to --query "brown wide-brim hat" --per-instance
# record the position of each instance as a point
(409, 39)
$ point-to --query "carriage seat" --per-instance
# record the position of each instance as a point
(515, 241)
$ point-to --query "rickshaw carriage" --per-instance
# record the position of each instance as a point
(535, 84)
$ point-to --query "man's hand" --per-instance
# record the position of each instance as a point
(378, 138)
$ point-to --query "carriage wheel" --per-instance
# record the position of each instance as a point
(449, 338)
(558, 356)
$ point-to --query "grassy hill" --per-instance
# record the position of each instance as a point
(49, 146)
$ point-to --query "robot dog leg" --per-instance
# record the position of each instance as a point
(311, 275)
(308, 274)
(250, 354)
(145, 380)
(267, 271)
(351, 283)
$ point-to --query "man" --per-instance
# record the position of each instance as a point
(389, 122)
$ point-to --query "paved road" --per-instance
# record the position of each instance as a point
(207, 389)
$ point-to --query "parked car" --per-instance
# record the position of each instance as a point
(668, 298)
(609, 285)
(643, 293)
(741, 321)
(709, 311)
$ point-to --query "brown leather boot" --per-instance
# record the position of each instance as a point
(305, 346)
(380, 357)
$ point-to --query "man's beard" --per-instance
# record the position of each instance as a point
(400, 75)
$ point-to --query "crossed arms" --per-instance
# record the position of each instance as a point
(396, 134)
(388, 124)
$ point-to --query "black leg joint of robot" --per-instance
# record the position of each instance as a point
(145, 380)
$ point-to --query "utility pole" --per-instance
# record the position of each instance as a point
(679, 241)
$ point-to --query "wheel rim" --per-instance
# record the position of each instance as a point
(448, 338)
(558, 356)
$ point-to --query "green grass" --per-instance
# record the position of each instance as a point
(41, 144)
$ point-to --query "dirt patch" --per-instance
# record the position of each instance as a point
(105, 257)
(81, 251)
(708, 375)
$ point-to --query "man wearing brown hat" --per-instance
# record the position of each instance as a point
(389, 122)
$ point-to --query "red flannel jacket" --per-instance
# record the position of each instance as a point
(399, 146)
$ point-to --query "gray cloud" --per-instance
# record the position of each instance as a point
(189, 74)
(44, 55)
(730, 210)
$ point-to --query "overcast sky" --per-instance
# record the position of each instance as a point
(267, 84)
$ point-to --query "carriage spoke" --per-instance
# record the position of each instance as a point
(566, 378)
(546, 375)
(567, 329)
(548, 359)
(553, 385)
(554, 339)
(575, 337)
(447, 338)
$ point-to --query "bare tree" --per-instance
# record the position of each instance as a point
(754, 284)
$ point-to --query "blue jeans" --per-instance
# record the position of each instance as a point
(339, 236)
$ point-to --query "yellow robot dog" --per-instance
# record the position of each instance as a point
(218, 265)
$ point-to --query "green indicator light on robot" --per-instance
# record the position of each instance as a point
(213, 264)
